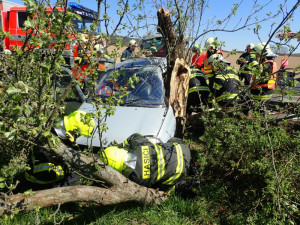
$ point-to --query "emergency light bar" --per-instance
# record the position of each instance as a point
(83, 11)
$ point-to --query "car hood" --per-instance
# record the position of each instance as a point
(125, 122)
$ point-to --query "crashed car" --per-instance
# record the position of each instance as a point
(145, 109)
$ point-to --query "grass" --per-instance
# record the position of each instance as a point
(238, 197)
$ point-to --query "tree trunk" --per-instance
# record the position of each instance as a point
(62, 195)
(174, 43)
(177, 80)
(179, 87)
(121, 190)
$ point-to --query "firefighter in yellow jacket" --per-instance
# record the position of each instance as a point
(153, 165)
(45, 169)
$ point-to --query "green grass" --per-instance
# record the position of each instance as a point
(176, 210)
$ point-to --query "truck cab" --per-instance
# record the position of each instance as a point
(14, 15)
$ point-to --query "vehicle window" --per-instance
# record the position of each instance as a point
(22, 17)
(61, 83)
(149, 91)
(84, 23)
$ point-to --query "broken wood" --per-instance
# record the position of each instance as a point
(122, 189)
(177, 77)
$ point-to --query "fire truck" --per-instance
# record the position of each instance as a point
(13, 16)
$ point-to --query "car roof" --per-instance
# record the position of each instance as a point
(142, 62)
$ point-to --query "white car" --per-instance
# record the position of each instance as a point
(145, 110)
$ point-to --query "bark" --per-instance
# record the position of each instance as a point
(121, 190)
(177, 80)
(174, 43)
(179, 87)
(62, 195)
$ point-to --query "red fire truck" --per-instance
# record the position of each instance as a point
(13, 16)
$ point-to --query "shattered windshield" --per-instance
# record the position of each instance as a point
(148, 91)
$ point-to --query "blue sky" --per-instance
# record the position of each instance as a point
(221, 8)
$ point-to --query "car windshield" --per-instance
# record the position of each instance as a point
(148, 91)
(84, 23)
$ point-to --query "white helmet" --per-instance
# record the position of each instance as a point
(260, 47)
(132, 42)
(98, 48)
(210, 42)
(7, 52)
(250, 45)
(216, 58)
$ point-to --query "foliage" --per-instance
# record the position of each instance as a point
(28, 99)
(249, 167)
(254, 162)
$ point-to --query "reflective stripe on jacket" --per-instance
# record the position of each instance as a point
(225, 84)
(44, 167)
(197, 81)
(246, 68)
(158, 165)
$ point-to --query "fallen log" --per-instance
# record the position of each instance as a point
(122, 189)
(62, 195)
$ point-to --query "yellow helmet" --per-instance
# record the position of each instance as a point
(197, 48)
(114, 157)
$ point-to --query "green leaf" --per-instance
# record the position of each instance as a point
(2, 185)
(13, 90)
(27, 24)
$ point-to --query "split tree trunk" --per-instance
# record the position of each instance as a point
(177, 80)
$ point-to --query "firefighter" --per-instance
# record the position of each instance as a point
(46, 170)
(98, 52)
(264, 80)
(247, 61)
(211, 48)
(74, 125)
(198, 90)
(197, 61)
(128, 51)
(225, 82)
(162, 166)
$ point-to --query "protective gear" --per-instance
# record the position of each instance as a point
(127, 54)
(42, 169)
(264, 84)
(198, 90)
(131, 43)
(98, 48)
(225, 85)
(75, 121)
(260, 47)
(250, 45)
(216, 58)
(210, 42)
(7, 52)
(157, 165)
(114, 157)
(247, 62)
(197, 48)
